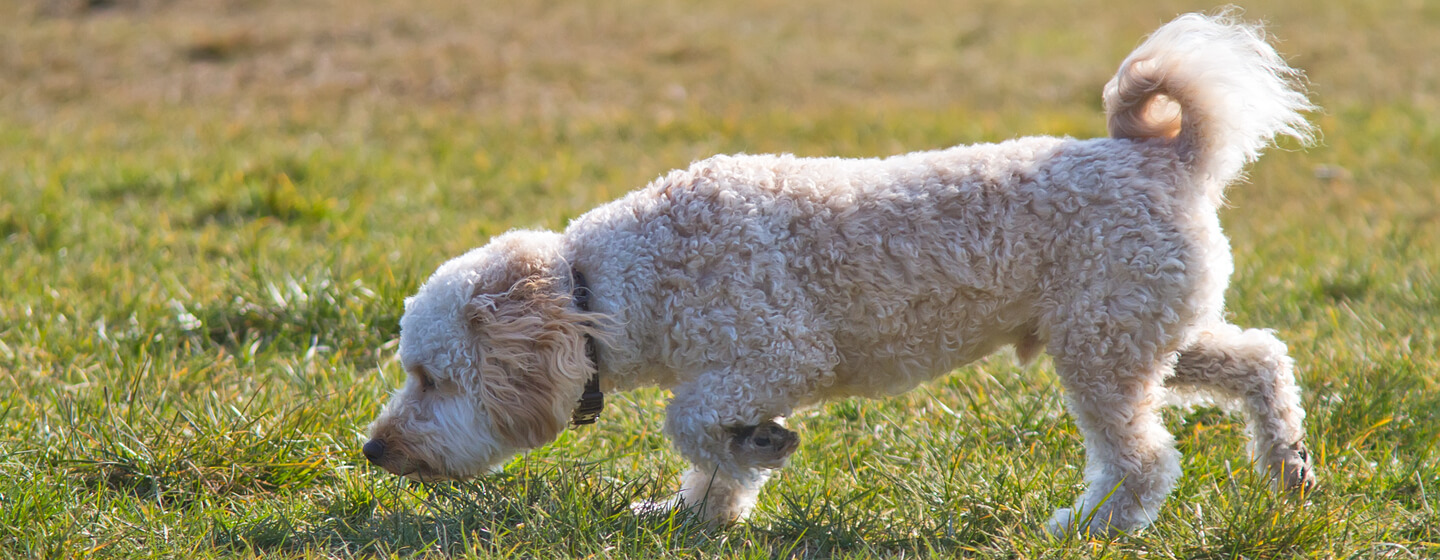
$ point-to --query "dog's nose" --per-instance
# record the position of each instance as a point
(374, 450)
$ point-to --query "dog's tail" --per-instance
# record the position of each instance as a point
(1212, 87)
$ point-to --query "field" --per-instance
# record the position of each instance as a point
(211, 212)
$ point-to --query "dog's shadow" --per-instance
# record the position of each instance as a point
(569, 510)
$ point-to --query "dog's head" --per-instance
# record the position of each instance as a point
(494, 350)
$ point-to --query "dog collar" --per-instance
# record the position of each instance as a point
(592, 401)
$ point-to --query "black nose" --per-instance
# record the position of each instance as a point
(374, 450)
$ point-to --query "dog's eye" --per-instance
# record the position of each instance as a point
(427, 382)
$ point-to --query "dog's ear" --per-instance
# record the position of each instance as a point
(531, 344)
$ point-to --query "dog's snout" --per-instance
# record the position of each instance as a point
(374, 450)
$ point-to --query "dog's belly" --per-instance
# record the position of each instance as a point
(888, 355)
(878, 376)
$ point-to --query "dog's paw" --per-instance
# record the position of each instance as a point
(766, 445)
(1291, 470)
(1061, 524)
(1068, 522)
(655, 507)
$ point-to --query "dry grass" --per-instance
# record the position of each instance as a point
(576, 59)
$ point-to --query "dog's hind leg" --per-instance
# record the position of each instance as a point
(1251, 367)
(1131, 461)
(1113, 361)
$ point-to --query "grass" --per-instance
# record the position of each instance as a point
(211, 213)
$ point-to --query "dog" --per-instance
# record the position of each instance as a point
(751, 286)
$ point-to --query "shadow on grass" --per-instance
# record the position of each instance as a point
(558, 511)
(572, 511)
(1259, 527)
(822, 525)
(196, 458)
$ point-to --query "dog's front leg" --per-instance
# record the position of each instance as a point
(733, 447)
(766, 445)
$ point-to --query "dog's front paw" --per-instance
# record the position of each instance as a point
(655, 507)
(766, 445)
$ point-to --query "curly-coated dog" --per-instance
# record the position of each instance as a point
(752, 286)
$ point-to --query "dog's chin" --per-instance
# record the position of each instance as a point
(421, 471)
(416, 470)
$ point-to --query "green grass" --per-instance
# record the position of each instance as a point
(211, 214)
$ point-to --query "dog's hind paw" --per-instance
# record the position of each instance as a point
(1068, 522)
(766, 445)
(1061, 523)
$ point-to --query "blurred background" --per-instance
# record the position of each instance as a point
(270, 59)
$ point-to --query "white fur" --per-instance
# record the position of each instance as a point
(751, 286)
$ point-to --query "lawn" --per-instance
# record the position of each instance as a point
(211, 212)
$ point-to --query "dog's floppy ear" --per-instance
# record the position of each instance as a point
(532, 350)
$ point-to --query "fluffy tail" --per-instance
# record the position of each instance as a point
(1214, 88)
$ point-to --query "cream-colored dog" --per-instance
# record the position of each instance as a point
(751, 286)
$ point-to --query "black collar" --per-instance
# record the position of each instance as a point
(593, 400)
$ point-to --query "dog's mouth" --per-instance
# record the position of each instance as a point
(421, 471)
(397, 463)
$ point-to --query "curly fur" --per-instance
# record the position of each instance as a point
(751, 286)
